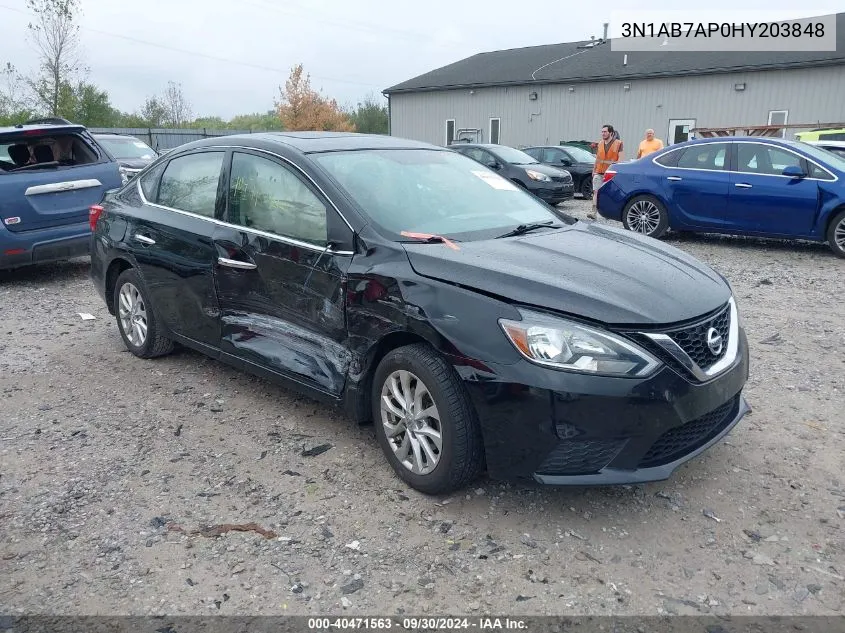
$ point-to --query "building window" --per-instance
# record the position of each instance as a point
(779, 117)
(494, 130)
(450, 131)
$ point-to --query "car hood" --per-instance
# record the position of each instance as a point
(133, 163)
(588, 270)
(544, 169)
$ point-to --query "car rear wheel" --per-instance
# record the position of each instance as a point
(645, 215)
(425, 422)
(587, 187)
(136, 319)
(836, 234)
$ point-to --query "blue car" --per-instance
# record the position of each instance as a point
(761, 187)
(51, 173)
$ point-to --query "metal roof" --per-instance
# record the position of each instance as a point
(571, 62)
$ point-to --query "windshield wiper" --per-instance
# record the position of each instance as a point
(430, 238)
(522, 229)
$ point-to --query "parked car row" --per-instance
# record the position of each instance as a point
(763, 187)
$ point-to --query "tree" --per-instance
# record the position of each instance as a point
(269, 121)
(153, 113)
(302, 108)
(177, 106)
(86, 104)
(14, 106)
(370, 117)
(56, 38)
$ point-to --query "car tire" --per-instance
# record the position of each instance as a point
(645, 215)
(586, 188)
(836, 234)
(417, 376)
(136, 319)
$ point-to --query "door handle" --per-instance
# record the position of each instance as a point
(673, 178)
(742, 185)
(144, 239)
(234, 263)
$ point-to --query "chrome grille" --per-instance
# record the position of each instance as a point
(693, 340)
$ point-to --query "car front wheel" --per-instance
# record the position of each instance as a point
(836, 234)
(425, 422)
(645, 215)
(587, 187)
(136, 319)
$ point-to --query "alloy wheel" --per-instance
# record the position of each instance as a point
(133, 314)
(643, 217)
(839, 234)
(411, 422)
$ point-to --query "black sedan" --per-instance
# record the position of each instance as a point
(475, 326)
(550, 184)
(576, 160)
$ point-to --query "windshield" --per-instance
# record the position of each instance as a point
(127, 148)
(824, 156)
(433, 192)
(580, 154)
(513, 156)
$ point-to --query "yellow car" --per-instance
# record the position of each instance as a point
(821, 135)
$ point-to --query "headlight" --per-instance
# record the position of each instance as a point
(574, 347)
(536, 175)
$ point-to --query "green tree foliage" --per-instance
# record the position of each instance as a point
(370, 117)
(268, 121)
(55, 36)
(86, 104)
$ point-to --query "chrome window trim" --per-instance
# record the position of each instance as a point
(726, 362)
(274, 236)
(834, 177)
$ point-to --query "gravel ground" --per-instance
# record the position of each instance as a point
(112, 469)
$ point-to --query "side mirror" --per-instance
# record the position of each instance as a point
(793, 171)
(566, 162)
(492, 164)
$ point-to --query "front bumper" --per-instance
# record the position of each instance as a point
(554, 192)
(552, 427)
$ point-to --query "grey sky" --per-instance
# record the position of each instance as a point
(349, 48)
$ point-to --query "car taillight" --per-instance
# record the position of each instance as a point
(94, 213)
(608, 175)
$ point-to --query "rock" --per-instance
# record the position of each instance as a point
(753, 535)
(445, 527)
(354, 545)
(317, 450)
(762, 589)
(297, 588)
(345, 602)
(814, 588)
(521, 598)
(326, 532)
(528, 541)
(711, 515)
(801, 594)
(762, 559)
(425, 582)
(352, 586)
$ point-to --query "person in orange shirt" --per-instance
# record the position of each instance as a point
(609, 151)
(649, 144)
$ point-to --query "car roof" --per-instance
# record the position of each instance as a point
(824, 142)
(311, 142)
(33, 128)
(746, 139)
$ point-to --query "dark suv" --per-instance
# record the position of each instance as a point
(576, 160)
(550, 184)
(475, 325)
(51, 172)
